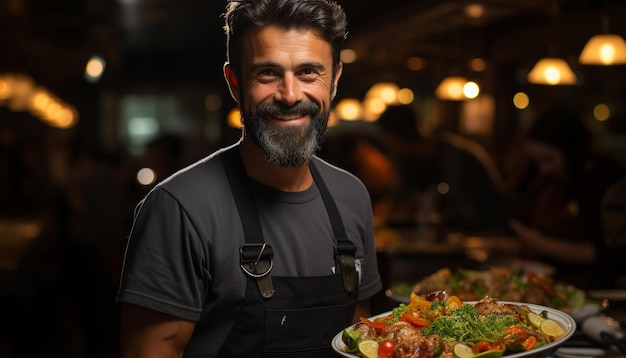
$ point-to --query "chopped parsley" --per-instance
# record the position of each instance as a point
(466, 325)
(396, 313)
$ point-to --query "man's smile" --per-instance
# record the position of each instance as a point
(290, 118)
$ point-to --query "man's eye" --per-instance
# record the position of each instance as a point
(308, 74)
(266, 73)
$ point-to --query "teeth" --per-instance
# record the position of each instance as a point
(290, 118)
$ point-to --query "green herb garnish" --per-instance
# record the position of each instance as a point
(466, 325)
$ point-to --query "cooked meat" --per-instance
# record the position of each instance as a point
(489, 305)
(367, 332)
(420, 346)
(411, 343)
(391, 331)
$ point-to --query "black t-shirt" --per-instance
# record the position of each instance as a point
(183, 253)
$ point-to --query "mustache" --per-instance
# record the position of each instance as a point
(280, 109)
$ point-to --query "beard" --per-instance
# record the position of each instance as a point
(286, 146)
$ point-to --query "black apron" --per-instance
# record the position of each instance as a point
(287, 316)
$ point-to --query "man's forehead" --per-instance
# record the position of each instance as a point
(281, 39)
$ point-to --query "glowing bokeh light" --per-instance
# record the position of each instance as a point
(234, 118)
(471, 89)
(349, 109)
(146, 176)
(94, 68)
(601, 112)
(521, 100)
(415, 63)
(405, 96)
(348, 55)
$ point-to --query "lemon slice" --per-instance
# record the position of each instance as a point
(494, 353)
(462, 350)
(368, 349)
(552, 328)
(535, 319)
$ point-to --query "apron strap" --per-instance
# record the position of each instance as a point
(345, 250)
(256, 256)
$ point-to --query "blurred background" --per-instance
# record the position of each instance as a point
(100, 99)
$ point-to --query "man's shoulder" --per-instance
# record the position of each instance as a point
(339, 181)
(332, 171)
(203, 176)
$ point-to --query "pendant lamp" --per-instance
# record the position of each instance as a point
(604, 50)
(552, 71)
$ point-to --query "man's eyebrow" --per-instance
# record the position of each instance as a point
(270, 64)
(312, 64)
(263, 64)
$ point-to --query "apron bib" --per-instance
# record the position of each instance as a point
(287, 316)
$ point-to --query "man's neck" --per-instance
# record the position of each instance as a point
(290, 179)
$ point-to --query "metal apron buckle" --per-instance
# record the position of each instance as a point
(257, 260)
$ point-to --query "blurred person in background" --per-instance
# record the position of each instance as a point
(456, 171)
(361, 152)
(206, 273)
(558, 218)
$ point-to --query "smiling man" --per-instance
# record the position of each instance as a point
(261, 249)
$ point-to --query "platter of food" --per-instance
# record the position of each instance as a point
(445, 326)
(506, 284)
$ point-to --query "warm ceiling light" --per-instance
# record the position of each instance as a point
(605, 50)
(373, 107)
(475, 10)
(94, 68)
(471, 89)
(349, 109)
(405, 96)
(387, 91)
(451, 88)
(552, 71)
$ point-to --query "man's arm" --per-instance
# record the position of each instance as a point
(148, 333)
(363, 309)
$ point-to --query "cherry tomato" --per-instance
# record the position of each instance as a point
(386, 349)
(481, 346)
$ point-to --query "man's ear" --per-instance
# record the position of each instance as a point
(336, 80)
(233, 82)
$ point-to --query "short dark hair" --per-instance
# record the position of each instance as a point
(326, 17)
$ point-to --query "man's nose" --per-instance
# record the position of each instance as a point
(289, 90)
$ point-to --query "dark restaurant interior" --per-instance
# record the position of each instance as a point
(81, 145)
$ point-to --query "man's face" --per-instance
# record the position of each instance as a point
(286, 91)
